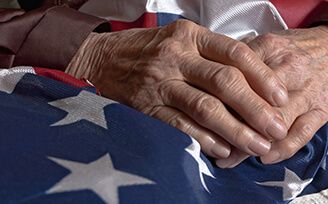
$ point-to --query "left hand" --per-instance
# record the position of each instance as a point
(183, 74)
(299, 57)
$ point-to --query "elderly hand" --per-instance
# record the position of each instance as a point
(299, 58)
(183, 74)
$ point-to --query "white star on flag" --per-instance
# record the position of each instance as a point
(292, 185)
(194, 151)
(10, 77)
(86, 105)
(100, 176)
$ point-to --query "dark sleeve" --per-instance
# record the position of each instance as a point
(45, 37)
(29, 5)
(318, 16)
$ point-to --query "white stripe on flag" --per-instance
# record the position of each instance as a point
(10, 77)
(316, 198)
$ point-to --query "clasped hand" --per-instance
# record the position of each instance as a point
(195, 80)
(299, 58)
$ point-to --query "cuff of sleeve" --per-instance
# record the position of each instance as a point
(58, 35)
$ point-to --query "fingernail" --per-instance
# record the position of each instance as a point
(271, 158)
(220, 151)
(280, 96)
(260, 146)
(225, 163)
(277, 129)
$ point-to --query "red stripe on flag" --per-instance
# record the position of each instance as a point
(147, 20)
(296, 13)
(61, 76)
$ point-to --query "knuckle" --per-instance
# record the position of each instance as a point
(179, 121)
(295, 58)
(205, 108)
(305, 132)
(146, 75)
(172, 39)
(167, 91)
(227, 77)
(240, 137)
(289, 150)
(260, 112)
(183, 23)
(269, 37)
(263, 43)
(169, 47)
(238, 51)
(303, 135)
(248, 39)
(286, 115)
(270, 40)
(290, 147)
(181, 27)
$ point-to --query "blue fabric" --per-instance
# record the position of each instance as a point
(164, 19)
(136, 144)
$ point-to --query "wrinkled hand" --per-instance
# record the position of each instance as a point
(183, 74)
(299, 58)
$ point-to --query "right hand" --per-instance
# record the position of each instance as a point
(299, 57)
(184, 75)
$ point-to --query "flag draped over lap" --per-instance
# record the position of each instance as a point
(63, 143)
(60, 142)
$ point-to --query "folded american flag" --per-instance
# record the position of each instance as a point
(62, 143)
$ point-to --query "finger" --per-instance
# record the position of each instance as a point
(229, 85)
(277, 53)
(248, 39)
(235, 158)
(227, 51)
(285, 68)
(211, 114)
(299, 135)
(297, 106)
(268, 45)
(211, 144)
(284, 60)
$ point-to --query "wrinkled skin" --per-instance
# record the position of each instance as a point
(185, 75)
(300, 59)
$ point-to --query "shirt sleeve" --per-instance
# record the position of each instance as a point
(44, 37)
